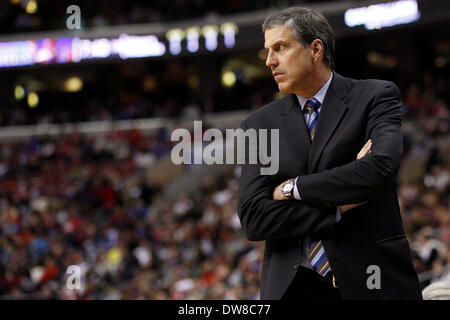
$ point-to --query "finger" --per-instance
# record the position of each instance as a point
(367, 145)
(362, 153)
(365, 149)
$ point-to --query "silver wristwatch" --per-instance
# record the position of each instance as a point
(287, 188)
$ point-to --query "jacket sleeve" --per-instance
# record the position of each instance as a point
(263, 218)
(362, 179)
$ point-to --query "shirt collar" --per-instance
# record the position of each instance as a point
(320, 95)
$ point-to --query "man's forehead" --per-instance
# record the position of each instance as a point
(277, 34)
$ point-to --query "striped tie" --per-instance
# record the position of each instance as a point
(316, 253)
(312, 107)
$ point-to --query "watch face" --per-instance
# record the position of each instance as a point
(287, 187)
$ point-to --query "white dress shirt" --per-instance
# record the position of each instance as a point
(320, 96)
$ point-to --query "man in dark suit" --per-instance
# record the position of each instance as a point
(330, 216)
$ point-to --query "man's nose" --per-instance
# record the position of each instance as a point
(271, 61)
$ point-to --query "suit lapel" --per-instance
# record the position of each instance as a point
(293, 127)
(331, 113)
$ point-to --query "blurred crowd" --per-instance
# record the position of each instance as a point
(125, 91)
(124, 104)
(87, 201)
(51, 14)
(425, 203)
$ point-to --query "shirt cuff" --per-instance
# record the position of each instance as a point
(296, 194)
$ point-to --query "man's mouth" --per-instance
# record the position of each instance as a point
(277, 74)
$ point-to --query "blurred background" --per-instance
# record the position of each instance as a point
(86, 117)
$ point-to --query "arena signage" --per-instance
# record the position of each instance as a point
(66, 50)
(383, 15)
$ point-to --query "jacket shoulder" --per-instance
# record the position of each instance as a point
(265, 115)
(370, 85)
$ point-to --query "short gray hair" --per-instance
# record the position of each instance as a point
(307, 25)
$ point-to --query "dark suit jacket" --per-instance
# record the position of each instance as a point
(352, 112)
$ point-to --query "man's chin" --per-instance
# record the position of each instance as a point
(283, 88)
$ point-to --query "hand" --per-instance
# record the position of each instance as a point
(277, 194)
(365, 150)
(347, 207)
(362, 153)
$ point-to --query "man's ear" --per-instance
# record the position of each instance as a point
(317, 48)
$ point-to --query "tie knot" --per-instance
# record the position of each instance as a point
(312, 105)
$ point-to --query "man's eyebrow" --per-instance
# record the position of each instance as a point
(277, 42)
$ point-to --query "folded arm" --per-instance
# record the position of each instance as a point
(362, 179)
(263, 218)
